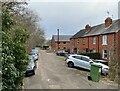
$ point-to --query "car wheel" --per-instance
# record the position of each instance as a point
(105, 74)
(70, 64)
(35, 65)
(33, 72)
(26, 74)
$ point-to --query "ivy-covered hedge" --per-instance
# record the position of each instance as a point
(14, 57)
(95, 55)
(20, 33)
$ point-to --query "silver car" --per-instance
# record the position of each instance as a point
(30, 69)
(84, 62)
(35, 54)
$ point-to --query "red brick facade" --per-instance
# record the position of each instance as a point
(101, 40)
(105, 44)
(63, 45)
(53, 44)
(118, 45)
(86, 44)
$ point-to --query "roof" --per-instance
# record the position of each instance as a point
(99, 29)
(79, 34)
(95, 30)
(62, 37)
(114, 28)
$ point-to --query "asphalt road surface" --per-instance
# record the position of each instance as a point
(52, 73)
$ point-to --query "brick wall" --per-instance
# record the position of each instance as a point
(87, 42)
(53, 44)
(63, 45)
(118, 45)
(92, 46)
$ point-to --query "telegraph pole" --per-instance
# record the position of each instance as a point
(58, 38)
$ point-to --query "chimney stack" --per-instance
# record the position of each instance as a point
(108, 22)
(88, 28)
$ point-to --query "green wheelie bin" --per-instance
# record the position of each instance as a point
(95, 72)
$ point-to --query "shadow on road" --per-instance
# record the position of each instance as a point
(82, 69)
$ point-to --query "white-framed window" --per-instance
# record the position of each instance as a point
(104, 54)
(94, 40)
(104, 39)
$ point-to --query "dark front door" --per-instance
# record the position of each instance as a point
(75, 50)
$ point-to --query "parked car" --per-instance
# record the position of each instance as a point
(84, 62)
(35, 50)
(30, 69)
(35, 56)
(101, 61)
(61, 53)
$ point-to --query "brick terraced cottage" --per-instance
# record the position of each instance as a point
(62, 44)
(103, 38)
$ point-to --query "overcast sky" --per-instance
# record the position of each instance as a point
(70, 16)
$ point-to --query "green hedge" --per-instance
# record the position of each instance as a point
(95, 55)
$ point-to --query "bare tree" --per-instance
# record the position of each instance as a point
(28, 20)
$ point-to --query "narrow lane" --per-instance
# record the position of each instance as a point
(52, 73)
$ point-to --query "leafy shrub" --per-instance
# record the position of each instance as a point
(92, 55)
(14, 57)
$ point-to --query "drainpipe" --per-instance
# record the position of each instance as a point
(58, 38)
(114, 43)
(74, 46)
(88, 45)
(98, 44)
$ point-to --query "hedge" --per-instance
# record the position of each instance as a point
(95, 55)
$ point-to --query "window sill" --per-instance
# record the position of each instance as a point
(104, 44)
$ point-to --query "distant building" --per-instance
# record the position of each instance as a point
(46, 47)
(61, 43)
(103, 38)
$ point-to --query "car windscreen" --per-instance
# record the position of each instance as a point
(77, 57)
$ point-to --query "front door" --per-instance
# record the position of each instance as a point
(75, 50)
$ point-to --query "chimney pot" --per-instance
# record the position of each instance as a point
(88, 28)
(108, 22)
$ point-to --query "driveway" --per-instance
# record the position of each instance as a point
(52, 73)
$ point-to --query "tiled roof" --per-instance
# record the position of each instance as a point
(95, 30)
(62, 37)
(99, 29)
(79, 34)
(115, 27)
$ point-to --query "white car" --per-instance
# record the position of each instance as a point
(35, 50)
(35, 53)
(35, 56)
(84, 62)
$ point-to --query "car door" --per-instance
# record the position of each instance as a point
(77, 61)
(85, 63)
